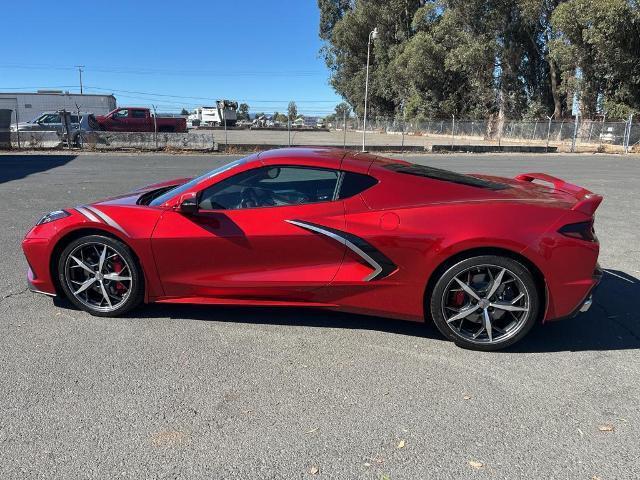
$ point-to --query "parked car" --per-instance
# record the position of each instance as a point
(483, 257)
(139, 119)
(52, 121)
(49, 121)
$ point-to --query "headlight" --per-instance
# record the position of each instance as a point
(50, 217)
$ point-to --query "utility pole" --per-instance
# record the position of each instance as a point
(80, 67)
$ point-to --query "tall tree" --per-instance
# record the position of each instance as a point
(292, 111)
(243, 112)
(506, 59)
(598, 51)
(343, 109)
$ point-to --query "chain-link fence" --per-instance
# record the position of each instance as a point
(565, 135)
(381, 133)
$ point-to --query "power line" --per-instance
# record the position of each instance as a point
(191, 71)
(205, 98)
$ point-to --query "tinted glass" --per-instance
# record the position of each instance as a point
(444, 175)
(354, 183)
(138, 113)
(271, 187)
(51, 118)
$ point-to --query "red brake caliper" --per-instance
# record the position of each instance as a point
(117, 267)
(458, 298)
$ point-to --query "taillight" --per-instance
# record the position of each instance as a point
(581, 231)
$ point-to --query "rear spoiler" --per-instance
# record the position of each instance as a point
(586, 202)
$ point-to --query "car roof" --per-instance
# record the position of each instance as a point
(328, 157)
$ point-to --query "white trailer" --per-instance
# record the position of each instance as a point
(224, 111)
(32, 105)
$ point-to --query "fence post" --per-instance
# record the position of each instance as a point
(344, 129)
(575, 132)
(548, 133)
(627, 135)
(17, 127)
(155, 126)
(67, 129)
(604, 116)
(453, 130)
(403, 120)
(289, 129)
(226, 139)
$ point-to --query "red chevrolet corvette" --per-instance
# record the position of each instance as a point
(484, 257)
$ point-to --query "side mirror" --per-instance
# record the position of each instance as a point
(188, 203)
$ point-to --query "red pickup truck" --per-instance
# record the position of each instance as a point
(137, 119)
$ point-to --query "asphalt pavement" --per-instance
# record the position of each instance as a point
(208, 392)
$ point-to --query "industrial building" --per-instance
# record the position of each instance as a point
(31, 105)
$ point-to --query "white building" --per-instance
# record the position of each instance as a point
(31, 105)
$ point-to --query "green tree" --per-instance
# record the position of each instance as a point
(243, 112)
(279, 117)
(597, 49)
(184, 111)
(522, 58)
(292, 111)
(343, 109)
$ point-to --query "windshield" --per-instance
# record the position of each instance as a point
(186, 186)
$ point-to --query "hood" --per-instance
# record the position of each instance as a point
(132, 198)
(25, 126)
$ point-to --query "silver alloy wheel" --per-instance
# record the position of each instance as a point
(98, 276)
(486, 304)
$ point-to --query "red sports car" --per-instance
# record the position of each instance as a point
(484, 257)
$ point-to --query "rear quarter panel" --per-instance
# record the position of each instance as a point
(427, 236)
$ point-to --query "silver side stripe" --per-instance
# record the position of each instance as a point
(105, 218)
(377, 268)
(88, 214)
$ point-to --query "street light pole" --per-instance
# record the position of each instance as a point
(372, 35)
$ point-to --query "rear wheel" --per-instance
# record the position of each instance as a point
(485, 303)
(101, 276)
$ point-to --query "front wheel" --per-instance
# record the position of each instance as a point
(101, 276)
(486, 302)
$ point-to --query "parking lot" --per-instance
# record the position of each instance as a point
(208, 392)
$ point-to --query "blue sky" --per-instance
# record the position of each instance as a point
(262, 52)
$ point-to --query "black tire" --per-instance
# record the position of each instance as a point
(482, 267)
(123, 254)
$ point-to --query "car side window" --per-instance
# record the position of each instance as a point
(51, 118)
(354, 183)
(124, 113)
(272, 187)
(138, 114)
